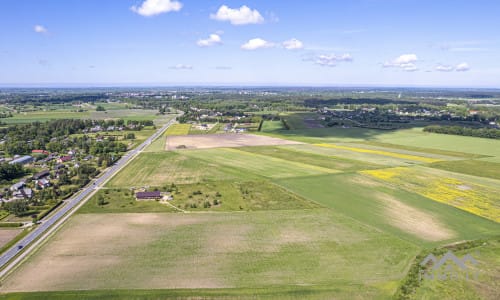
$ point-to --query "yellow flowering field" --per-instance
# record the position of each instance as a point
(472, 197)
(381, 152)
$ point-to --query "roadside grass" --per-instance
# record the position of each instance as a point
(157, 145)
(295, 154)
(121, 200)
(276, 252)
(471, 167)
(360, 198)
(445, 187)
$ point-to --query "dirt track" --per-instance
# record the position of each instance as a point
(206, 141)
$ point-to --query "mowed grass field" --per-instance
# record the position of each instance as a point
(230, 250)
(323, 220)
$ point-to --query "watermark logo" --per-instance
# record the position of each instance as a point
(449, 267)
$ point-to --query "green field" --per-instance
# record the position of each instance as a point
(158, 169)
(472, 167)
(296, 120)
(270, 126)
(178, 129)
(378, 205)
(295, 153)
(116, 112)
(43, 116)
(487, 271)
(343, 215)
(232, 250)
(407, 138)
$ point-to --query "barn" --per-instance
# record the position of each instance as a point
(148, 195)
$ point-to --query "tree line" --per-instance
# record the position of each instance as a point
(489, 133)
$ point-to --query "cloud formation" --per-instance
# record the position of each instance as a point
(293, 44)
(331, 60)
(212, 40)
(40, 29)
(150, 8)
(238, 16)
(444, 68)
(181, 67)
(462, 67)
(406, 62)
(257, 43)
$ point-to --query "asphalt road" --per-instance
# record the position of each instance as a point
(72, 203)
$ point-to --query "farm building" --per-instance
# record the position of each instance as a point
(17, 186)
(148, 195)
(22, 160)
(64, 159)
(43, 183)
(25, 193)
(45, 152)
(41, 174)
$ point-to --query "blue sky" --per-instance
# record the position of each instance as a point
(186, 42)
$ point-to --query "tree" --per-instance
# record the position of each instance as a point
(16, 207)
(100, 108)
(101, 201)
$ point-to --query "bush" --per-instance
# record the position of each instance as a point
(11, 224)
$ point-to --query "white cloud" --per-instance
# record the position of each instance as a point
(444, 68)
(40, 29)
(238, 16)
(181, 67)
(405, 62)
(223, 68)
(212, 40)
(462, 67)
(257, 43)
(150, 8)
(293, 44)
(331, 60)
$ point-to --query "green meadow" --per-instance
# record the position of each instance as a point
(280, 222)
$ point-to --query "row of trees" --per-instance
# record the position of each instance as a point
(490, 133)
